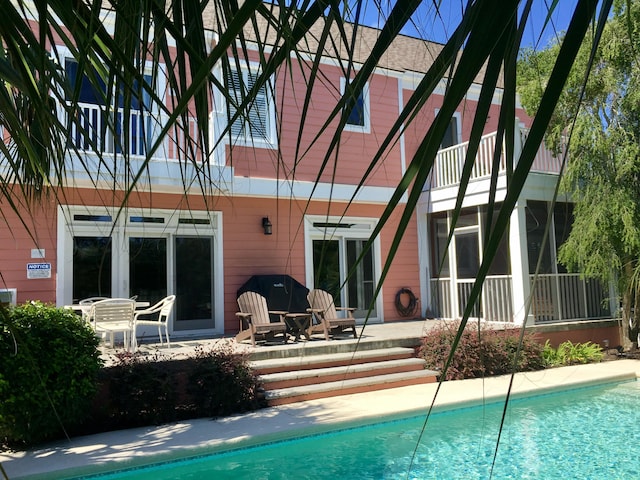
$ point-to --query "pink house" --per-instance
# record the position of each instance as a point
(263, 207)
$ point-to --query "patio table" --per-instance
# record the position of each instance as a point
(111, 326)
(84, 309)
(298, 323)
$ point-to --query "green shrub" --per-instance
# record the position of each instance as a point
(48, 366)
(569, 353)
(480, 353)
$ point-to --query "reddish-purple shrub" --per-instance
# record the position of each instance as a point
(481, 352)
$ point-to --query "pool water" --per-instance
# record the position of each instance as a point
(585, 433)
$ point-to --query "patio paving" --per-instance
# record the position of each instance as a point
(388, 333)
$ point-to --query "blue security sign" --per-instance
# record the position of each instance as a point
(38, 270)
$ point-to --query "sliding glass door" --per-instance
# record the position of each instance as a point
(194, 283)
(148, 256)
(148, 268)
(92, 269)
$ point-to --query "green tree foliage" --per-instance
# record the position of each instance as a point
(602, 121)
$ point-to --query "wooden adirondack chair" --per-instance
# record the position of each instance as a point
(255, 320)
(326, 312)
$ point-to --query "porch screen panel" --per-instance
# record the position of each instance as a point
(597, 299)
(441, 298)
(439, 256)
(91, 267)
(500, 265)
(563, 221)
(468, 265)
(537, 214)
(467, 255)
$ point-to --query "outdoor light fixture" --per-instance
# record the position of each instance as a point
(267, 226)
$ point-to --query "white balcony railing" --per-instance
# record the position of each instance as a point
(449, 162)
(555, 298)
(94, 132)
(496, 303)
(565, 297)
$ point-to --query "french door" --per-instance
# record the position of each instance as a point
(146, 257)
(339, 264)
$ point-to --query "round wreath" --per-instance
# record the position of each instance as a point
(408, 309)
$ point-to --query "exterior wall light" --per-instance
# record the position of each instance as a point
(267, 226)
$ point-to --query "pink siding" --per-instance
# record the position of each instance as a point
(16, 242)
(356, 149)
(404, 272)
(417, 129)
(249, 252)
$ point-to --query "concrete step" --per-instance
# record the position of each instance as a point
(307, 362)
(312, 376)
(346, 387)
(323, 347)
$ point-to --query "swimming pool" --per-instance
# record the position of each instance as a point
(583, 433)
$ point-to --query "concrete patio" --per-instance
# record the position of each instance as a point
(404, 333)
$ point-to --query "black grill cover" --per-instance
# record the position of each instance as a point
(282, 292)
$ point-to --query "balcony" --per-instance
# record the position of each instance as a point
(449, 162)
(96, 132)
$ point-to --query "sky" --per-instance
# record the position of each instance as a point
(427, 25)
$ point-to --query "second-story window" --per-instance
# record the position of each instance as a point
(256, 123)
(92, 129)
(452, 134)
(358, 119)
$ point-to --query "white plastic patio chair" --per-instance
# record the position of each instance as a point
(163, 311)
(91, 300)
(111, 316)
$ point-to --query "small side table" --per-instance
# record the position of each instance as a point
(298, 323)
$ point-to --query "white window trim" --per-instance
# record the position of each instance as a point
(160, 88)
(366, 105)
(221, 110)
(458, 118)
(362, 229)
(67, 228)
(161, 82)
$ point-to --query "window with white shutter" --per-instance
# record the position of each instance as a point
(257, 121)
